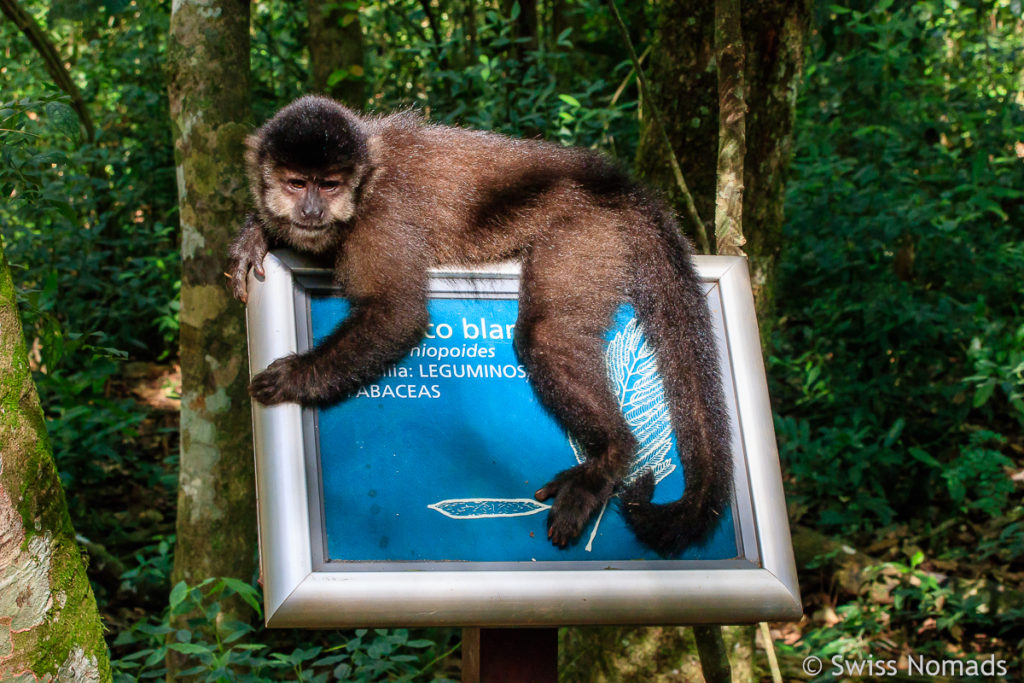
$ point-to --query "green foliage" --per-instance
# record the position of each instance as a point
(280, 59)
(240, 651)
(23, 162)
(484, 77)
(897, 366)
(923, 607)
(89, 231)
(562, 88)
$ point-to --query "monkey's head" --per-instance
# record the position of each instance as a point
(306, 167)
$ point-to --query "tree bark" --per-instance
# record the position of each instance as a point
(732, 110)
(714, 658)
(49, 622)
(208, 66)
(336, 45)
(684, 83)
(525, 25)
(775, 34)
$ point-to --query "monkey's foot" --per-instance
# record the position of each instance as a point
(579, 493)
(287, 379)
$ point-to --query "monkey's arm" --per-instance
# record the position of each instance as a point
(388, 318)
(247, 251)
(374, 336)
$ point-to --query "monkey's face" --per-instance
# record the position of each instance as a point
(311, 207)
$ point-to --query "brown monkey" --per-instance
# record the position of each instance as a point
(389, 197)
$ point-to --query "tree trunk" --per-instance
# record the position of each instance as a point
(684, 82)
(525, 25)
(732, 112)
(49, 623)
(208, 66)
(336, 46)
(774, 34)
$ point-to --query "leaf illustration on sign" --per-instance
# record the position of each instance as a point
(633, 372)
(484, 508)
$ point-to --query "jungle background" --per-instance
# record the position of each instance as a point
(890, 285)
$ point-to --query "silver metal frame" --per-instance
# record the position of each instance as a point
(302, 590)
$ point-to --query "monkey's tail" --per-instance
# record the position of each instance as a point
(671, 306)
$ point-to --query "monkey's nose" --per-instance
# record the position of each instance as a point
(312, 213)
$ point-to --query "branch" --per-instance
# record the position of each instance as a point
(645, 93)
(435, 32)
(732, 142)
(51, 60)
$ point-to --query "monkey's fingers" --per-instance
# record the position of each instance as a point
(547, 491)
(551, 489)
(239, 286)
(271, 386)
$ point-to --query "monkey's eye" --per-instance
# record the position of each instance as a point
(297, 183)
(330, 185)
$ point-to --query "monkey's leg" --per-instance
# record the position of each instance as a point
(559, 340)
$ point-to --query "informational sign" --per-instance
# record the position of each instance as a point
(411, 503)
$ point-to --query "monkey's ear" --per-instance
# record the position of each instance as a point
(374, 149)
(252, 152)
(372, 168)
(253, 143)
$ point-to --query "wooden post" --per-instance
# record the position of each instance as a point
(714, 660)
(509, 655)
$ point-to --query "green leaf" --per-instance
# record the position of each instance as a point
(178, 594)
(923, 456)
(64, 119)
(189, 648)
(336, 77)
(420, 643)
(984, 393)
(569, 99)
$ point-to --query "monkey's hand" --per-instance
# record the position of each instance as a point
(289, 379)
(579, 493)
(247, 251)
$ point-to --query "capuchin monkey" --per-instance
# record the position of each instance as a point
(388, 197)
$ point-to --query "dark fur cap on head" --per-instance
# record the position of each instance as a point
(313, 133)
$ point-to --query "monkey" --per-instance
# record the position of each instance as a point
(386, 197)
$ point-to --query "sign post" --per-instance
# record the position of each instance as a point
(410, 503)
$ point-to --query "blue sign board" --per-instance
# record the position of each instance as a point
(411, 503)
(439, 459)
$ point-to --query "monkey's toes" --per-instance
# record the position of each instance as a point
(565, 526)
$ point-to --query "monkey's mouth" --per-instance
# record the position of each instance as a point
(310, 227)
